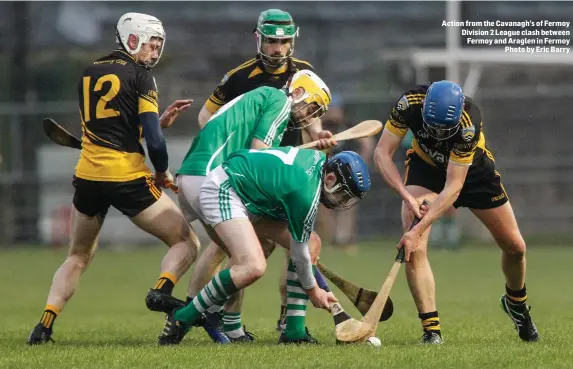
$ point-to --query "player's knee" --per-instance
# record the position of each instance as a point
(515, 248)
(257, 269)
(315, 245)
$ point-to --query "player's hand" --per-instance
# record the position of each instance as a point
(325, 140)
(173, 111)
(320, 298)
(165, 180)
(414, 209)
(409, 242)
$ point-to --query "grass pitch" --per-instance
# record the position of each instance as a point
(106, 325)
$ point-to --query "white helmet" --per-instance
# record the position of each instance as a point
(144, 27)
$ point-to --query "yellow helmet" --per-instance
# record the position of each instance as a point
(315, 92)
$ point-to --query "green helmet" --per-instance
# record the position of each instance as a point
(275, 24)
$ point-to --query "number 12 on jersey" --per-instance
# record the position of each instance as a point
(101, 109)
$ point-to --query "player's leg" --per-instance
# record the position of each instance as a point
(419, 273)
(155, 213)
(209, 261)
(295, 330)
(248, 265)
(281, 323)
(502, 224)
(232, 320)
(222, 208)
(87, 218)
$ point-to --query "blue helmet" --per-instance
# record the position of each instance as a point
(352, 181)
(443, 108)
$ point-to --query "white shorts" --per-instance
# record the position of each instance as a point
(188, 196)
(219, 201)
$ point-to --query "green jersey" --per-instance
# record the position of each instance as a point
(262, 113)
(282, 183)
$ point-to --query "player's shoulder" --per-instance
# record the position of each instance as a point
(119, 63)
(412, 97)
(268, 93)
(300, 64)
(472, 111)
(470, 123)
(242, 70)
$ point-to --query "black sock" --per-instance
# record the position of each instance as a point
(283, 312)
(188, 300)
(516, 297)
(430, 322)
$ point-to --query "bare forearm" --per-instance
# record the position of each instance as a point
(390, 173)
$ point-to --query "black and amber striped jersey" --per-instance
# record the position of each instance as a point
(251, 75)
(112, 92)
(466, 147)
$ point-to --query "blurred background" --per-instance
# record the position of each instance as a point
(369, 53)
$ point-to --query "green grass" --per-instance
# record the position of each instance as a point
(106, 325)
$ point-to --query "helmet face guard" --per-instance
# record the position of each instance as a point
(274, 61)
(339, 197)
(440, 132)
(300, 120)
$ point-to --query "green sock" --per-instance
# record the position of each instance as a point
(232, 325)
(296, 306)
(216, 292)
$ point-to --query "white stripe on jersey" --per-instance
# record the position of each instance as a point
(274, 126)
(208, 169)
(311, 215)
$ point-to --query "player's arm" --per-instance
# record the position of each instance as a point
(301, 207)
(455, 178)
(366, 150)
(394, 131)
(148, 111)
(460, 160)
(218, 98)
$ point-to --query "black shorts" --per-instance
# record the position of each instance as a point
(482, 188)
(131, 198)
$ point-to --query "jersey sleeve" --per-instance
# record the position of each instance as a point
(273, 119)
(301, 207)
(221, 95)
(465, 145)
(399, 115)
(147, 94)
